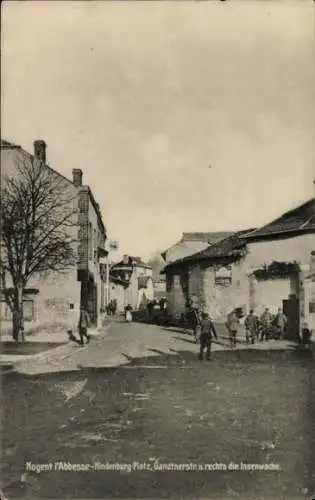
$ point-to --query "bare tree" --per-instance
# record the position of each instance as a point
(37, 212)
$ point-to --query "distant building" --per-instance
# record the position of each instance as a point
(191, 243)
(48, 299)
(131, 282)
(159, 289)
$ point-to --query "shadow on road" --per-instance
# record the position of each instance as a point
(229, 391)
(27, 348)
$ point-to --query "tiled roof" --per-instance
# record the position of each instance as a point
(7, 145)
(207, 237)
(140, 262)
(228, 247)
(198, 238)
(300, 219)
(137, 260)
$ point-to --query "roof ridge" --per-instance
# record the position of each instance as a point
(4, 144)
(288, 212)
(235, 235)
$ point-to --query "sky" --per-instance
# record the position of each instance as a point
(183, 116)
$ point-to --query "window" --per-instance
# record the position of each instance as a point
(90, 243)
(28, 311)
(223, 276)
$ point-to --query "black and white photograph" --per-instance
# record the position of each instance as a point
(157, 262)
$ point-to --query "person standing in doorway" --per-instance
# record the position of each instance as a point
(207, 331)
(84, 323)
(280, 323)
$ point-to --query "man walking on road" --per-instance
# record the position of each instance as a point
(84, 323)
(206, 331)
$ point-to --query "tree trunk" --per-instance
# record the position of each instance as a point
(17, 316)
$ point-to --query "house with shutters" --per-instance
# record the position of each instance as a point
(131, 283)
(271, 266)
(51, 299)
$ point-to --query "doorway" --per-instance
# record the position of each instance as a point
(291, 308)
(89, 299)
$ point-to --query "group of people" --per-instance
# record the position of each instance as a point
(257, 329)
(111, 309)
(267, 327)
(152, 304)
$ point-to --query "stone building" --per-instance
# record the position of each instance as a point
(211, 278)
(272, 266)
(131, 282)
(159, 288)
(49, 300)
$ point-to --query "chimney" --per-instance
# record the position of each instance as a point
(126, 259)
(77, 177)
(40, 150)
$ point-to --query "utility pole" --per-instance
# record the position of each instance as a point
(112, 247)
(107, 280)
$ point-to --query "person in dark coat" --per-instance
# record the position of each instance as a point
(251, 327)
(306, 335)
(232, 325)
(207, 332)
(84, 323)
(128, 313)
(280, 323)
(266, 325)
(150, 307)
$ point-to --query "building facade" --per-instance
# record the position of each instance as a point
(272, 266)
(51, 299)
(131, 282)
(191, 243)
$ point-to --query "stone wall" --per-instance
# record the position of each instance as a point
(196, 282)
(221, 299)
(176, 299)
(244, 291)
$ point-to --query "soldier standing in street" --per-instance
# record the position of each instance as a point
(266, 322)
(207, 330)
(251, 326)
(233, 327)
(280, 323)
(84, 323)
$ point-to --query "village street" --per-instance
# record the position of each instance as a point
(137, 395)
